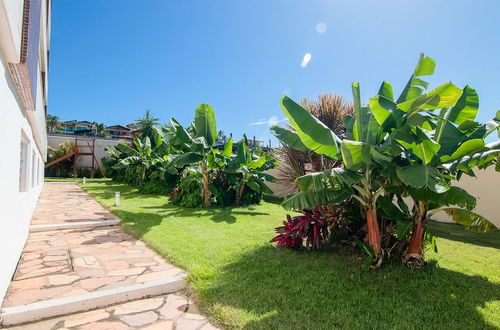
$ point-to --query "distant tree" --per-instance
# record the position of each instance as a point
(100, 129)
(221, 138)
(53, 124)
(146, 125)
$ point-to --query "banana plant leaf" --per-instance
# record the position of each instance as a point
(311, 199)
(126, 150)
(454, 196)
(312, 132)
(365, 129)
(419, 175)
(184, 159)
(355, 154)
(466, 148)
(443, 96)
(205, 124)
(288, 137)
(414, 87)
(468, 219)
(228, 148)
(466, 108)
(334, 178)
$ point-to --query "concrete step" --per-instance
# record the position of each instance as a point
(73, 225)
(62, 306)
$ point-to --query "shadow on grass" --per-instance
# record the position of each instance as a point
(111, 187)
(142, 222)
(290, 290)
(456, 232)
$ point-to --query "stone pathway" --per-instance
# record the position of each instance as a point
(66, 263)
(173, 311)
(66, 202)
(77, 263)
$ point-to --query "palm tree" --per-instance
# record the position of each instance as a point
(100, 129)
(146, 125)
(53, 124)
(221, 138)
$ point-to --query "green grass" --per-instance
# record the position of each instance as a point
(241, 281)
(54, 179)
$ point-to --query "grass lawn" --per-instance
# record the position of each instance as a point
(56, 179)
(242, 281)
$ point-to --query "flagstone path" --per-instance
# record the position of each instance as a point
(75, 262)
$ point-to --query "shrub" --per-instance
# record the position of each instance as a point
(159, 186)
(309, 229)
(188, 194)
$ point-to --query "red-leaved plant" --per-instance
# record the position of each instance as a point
(310, 229)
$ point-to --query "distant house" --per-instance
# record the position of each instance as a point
(76, 127)
(119, 131)
(132, 127)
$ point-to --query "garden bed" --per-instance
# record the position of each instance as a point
(242, 281)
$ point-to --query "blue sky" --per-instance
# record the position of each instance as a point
(111, 60)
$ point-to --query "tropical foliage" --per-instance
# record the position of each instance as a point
(147, 125)
(412, 146)
(331, 110)
(53, 124)
(187, 164)
(201, 158)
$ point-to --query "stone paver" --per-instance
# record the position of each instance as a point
(61, 263)
(66, 202)
(71, 262)
(142, 314)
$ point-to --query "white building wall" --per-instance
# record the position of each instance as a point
(19, 188)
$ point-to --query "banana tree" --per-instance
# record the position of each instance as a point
(143, 157)
(362, 155)
(390, 144)
(250, 164)
(196, 148)
(424, 143)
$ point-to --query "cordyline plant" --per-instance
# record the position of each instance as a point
(394, 149)
(309, 229)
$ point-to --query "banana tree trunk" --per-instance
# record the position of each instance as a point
(239, 194)
(205, 194)
(414, 256)
(374, 237)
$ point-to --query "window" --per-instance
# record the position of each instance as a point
(33, 169)
(40, 170)
(23, 166)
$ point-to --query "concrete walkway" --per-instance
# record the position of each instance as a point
(76, 260)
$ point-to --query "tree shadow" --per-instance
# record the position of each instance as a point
(456, 232)
(325, 290)
(216, 214)
(141, 223)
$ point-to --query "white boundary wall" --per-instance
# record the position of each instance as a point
(85, 161)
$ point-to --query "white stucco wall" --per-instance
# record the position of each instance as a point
(485, 189)
(17, 207)
(17, 200)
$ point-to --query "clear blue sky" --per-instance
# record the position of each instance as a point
(111, 60)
